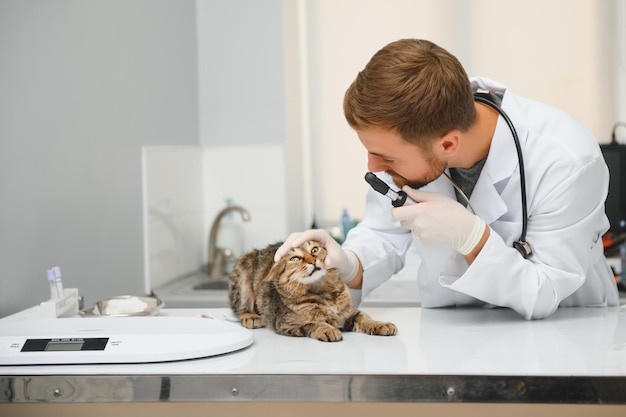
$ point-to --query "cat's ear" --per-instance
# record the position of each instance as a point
(277, 270)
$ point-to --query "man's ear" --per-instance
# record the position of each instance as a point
(448, 144)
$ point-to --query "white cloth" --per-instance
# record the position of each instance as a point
(566, 185)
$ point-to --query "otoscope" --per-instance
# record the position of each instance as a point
(398, 198)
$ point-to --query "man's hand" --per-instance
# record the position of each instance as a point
(440, 221)
(346, 262)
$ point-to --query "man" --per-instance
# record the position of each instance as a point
(414, 109)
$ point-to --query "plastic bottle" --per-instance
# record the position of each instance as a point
(58, 281)
(346, 223)
(52, 283)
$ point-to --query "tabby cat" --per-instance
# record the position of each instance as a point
(297, 296)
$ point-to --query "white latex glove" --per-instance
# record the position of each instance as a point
(345, 261)
(440, 222)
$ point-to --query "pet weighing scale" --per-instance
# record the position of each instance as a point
(117, 340)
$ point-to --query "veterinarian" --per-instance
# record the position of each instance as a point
(427, 131)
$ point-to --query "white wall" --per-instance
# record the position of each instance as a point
(558, 51)
(241, 72)
(83, 86)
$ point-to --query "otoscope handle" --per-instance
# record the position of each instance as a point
(402, 198)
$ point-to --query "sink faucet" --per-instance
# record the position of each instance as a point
(217, 256)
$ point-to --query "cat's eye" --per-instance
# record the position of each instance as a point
(295, 259)
(314, 250)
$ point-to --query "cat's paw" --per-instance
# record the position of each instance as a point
(250, 320)
(362, 323)
(325, 333)
(366, 325)
(381, 329)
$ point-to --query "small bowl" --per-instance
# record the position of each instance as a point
(124, 306)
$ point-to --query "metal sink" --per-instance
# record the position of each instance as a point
(195, 290)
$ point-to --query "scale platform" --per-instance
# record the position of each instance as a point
(117, 340)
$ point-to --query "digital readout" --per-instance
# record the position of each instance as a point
(64, 346)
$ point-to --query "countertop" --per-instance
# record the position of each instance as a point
(578, 355)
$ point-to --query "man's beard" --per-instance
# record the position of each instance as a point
(436, 169)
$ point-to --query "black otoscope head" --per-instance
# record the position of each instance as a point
(376, 183)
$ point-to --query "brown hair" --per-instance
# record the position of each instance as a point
(414, 88)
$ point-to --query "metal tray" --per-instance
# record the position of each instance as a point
(124, 306)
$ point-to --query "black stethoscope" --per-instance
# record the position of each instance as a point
(522, 246)
(398, 198)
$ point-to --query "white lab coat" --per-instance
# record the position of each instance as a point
(566, 185)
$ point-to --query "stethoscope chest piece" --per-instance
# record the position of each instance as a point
(523, 248)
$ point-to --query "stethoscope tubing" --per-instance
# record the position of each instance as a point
(520, 159)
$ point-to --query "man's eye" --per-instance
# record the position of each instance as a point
(295, 258)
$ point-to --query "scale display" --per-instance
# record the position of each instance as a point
(117, 340)
(64, 345)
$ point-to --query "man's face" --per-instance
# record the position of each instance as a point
(406, 163)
